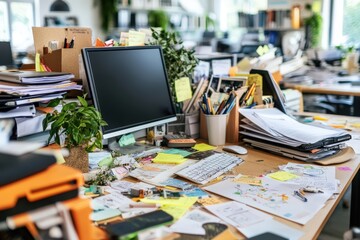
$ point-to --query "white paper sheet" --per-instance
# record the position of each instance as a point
(191, 222)
(237, 214)
(273, 197)
(273, 227)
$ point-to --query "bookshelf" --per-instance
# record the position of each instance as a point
(134, 14)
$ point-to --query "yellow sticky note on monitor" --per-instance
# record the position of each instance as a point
(203, 147)
(169, 158)
(183, 89)
(282, 176)
(136, 38)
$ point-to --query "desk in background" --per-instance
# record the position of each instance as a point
(327, 83)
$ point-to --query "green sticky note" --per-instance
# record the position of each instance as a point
(126, 140)
(183, 89)
(203, 147)
(176, 151)
(282, 176)
(105, 161)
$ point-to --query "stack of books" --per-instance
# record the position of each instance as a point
(21, 92)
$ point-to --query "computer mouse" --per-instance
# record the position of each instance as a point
(235, 149)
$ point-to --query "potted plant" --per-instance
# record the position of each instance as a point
(180, 62)
(80, 124)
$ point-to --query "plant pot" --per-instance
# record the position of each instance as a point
(78, 158)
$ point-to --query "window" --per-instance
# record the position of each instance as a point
(16, 20)
(346, 23)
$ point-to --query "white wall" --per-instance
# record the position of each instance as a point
(85, 11)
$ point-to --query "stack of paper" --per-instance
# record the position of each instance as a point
(274, 126)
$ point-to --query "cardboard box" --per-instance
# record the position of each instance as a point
(61, 59)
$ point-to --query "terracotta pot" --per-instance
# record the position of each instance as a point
(78, 158)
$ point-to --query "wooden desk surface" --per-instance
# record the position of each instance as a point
(258, 162)
(333, 89)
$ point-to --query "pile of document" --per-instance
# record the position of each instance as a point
(272, 130)
(21, 92)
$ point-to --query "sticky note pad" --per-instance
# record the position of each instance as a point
(246, 179)
(203, 147)
(282, 176)
(169, 158)
(183, 89)
(136, 38)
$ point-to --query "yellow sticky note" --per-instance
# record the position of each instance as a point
(37, 63)
(169, 158)
(208, 201)
(178, 207)
(136, 38)
(203, 147)
(183, 89)
(246, 179)
(282, 176)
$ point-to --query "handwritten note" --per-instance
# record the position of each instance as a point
(282, 176)
(169, 158)
(203, 147)
(136, 38)
(183, 89)
(246, 179)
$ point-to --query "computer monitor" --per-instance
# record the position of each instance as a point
(129, 87)
(6, 57)
(270, 87)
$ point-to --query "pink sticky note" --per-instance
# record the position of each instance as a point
(344, 168)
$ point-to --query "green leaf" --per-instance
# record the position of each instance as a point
(82, 101)
(54, 102)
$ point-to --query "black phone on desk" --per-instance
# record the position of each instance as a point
(131, 226)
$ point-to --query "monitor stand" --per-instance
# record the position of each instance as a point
(113, 145)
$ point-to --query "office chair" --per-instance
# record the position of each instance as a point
(6, 57)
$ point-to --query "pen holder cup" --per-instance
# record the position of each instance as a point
(216, 128)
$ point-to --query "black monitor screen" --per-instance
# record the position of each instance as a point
(6, 57)
(129, 87)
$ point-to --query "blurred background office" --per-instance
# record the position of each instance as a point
(225, 26)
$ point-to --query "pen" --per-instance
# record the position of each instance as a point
(300, 196)
(72, 42)
(65, 42)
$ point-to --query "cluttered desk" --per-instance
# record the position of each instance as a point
(171, 191)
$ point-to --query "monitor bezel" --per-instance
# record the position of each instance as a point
(107, 134)
(270, 87)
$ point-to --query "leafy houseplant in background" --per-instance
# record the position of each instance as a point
(80, 124)
(313, 28)
(158, 18)
(180, 62)
(108, 9)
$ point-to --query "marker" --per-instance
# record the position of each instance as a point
(300, 196)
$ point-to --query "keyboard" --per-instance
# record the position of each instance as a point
(209, 168)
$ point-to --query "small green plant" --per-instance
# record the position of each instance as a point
(180, 62)
(78, 121)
